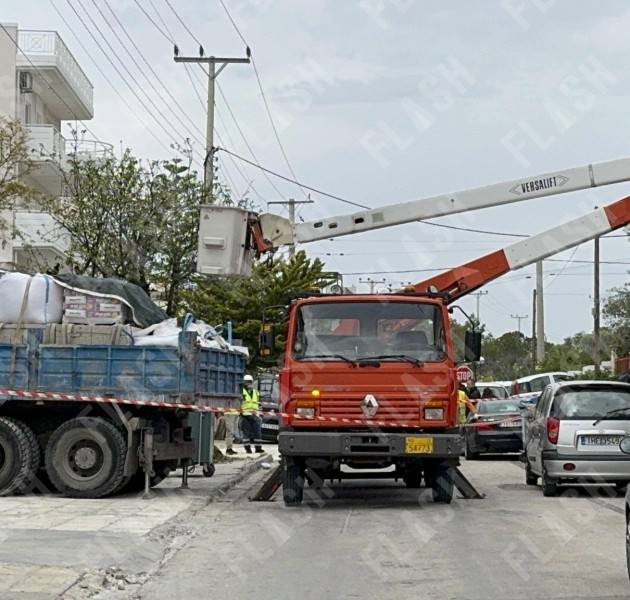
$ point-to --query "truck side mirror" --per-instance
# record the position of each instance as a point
(266, 340)
(472, 346)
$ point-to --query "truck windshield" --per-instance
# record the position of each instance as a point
(356, 330)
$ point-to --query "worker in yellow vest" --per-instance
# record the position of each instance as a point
(250, 420)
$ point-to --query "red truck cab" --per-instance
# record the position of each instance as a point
(369, 382)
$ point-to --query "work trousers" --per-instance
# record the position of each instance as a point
(231, 425)
(250, 425)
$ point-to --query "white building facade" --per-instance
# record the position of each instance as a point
(43, 85)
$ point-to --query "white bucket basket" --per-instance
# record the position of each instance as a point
(224, 249)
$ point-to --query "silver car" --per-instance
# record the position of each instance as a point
(573, 435)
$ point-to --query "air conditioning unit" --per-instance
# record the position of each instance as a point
(26, 82)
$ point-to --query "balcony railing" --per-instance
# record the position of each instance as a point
(88, 149)
(45, 143)
(46, 49)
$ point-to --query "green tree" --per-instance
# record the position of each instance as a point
(15, 164)
(506, 357)
(132, 220)
(242, 301)
(616, 312)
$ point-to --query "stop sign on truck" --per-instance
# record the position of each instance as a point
(464, 374)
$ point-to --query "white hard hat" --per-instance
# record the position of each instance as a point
(248, 378)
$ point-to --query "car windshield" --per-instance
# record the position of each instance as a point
(498, 406)
(590, 402)
(384, 330)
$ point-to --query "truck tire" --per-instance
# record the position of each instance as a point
(85, 458)
(19, 456)
(441, 483)
(292, 481)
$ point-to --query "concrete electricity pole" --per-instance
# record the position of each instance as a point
(596, 311)
(372, 283)
(540, 314)
(478, 294)
(291, 204)
(519, 318)
(213, 73)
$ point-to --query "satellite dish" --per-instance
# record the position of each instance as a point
(336, 289)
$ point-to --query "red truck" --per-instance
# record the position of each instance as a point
(369, 381)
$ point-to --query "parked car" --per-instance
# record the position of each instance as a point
(495, 428)
(624, 446)
(573, 435)
(492, 389)
(532, 384)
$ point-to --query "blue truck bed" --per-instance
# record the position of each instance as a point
(189, 373)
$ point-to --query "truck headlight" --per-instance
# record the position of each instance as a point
(434, 414)
(304, 411)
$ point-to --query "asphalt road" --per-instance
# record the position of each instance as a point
(380, 540)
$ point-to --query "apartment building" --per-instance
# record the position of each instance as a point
(42, 83)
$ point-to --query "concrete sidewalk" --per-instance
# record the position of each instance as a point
(54, 547)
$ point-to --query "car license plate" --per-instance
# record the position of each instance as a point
(269, 426)
(600, 440)
(418, 445)
(510, 424)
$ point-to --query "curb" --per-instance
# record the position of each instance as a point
(247, 470)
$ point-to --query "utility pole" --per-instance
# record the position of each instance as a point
(596, 311)
(291, 204)
(213, 73)
(372, 283)
(519, 318)
(540, 314)
(478, 294)
(534, 331)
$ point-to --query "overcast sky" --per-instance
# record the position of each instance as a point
(379, 102)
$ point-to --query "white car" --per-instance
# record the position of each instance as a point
(533, 384)
(497, 389)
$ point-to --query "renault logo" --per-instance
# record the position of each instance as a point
(369, 406)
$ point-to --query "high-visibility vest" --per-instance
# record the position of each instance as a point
(251, 401)
(461, 405)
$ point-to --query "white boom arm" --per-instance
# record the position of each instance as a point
(280, 231)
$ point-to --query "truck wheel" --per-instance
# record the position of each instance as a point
(292, 481)
(442, 485)
(85, 458)
(19, 456)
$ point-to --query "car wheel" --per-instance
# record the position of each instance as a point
(549, 485)
(530, 477)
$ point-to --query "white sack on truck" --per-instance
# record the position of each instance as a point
(44, 299)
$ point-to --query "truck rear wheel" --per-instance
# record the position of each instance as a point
(85, 458)
(292, 481)
(19, 456)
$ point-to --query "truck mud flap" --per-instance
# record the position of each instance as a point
(466, 489)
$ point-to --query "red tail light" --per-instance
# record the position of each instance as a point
(553, 429)
(516, 388)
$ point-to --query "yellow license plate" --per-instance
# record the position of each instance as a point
(419, 445)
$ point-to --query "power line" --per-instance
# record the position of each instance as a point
(262, 93)
(148, 80)
(160, 124)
